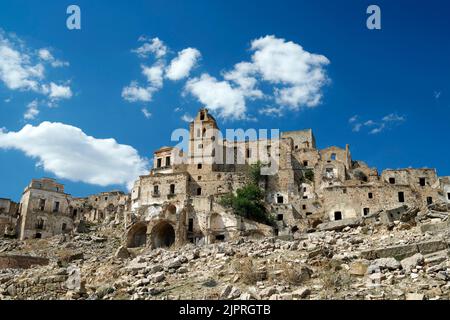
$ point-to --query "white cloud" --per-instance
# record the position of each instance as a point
(151, 46)
(187, 118)
(286, 63)
(178, 109)
(146, 113)
(57, 92)
(181, 66)
(68, 153)
(135, 93)
(154, 74)
(47, 56)
(387, 122)
(357, 127)
(241, 76)
(295, 77)
(16, 69)
(437, 94)
(353, 119)
(32, 110)
(218, 96)
(271, 111)
(393, 117)
(23, 69)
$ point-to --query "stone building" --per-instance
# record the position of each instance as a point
(178, 201)
(8, 217)
(44, 210)
(180, 196)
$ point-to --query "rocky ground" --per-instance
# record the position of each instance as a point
(399, 261)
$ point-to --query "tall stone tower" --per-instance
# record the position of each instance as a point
(203, 139)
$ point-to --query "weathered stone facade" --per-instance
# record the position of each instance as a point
(178, 201)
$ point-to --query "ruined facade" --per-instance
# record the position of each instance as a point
(310, 185)
(178, 201)
(8, 217)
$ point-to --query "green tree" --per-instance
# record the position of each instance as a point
(248, 203)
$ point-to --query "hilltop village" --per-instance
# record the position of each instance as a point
(179, 202)
(334, 228)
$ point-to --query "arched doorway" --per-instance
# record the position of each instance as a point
(162, 235)
(137, 236)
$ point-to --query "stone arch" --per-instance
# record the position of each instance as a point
(171, 209)
(162, 235)
(137, 235)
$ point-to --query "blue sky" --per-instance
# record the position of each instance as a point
(394, 80)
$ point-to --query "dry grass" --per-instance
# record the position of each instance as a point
(247, 270)
(295, 274)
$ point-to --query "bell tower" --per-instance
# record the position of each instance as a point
(203, 136)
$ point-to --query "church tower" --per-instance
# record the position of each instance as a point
(203, 138)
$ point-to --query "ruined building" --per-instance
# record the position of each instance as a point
(178, 201)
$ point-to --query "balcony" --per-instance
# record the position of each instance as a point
(156, 194)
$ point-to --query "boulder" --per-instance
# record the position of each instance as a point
(383, 264)
(122, 253)
(301, 293)
(358, 268)
(410, 263)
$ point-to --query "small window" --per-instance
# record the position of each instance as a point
(296, 147)
(305, 163)
(280, 217)
(344, 190)
(38, 236)
(305, 197)
(338, 215)
(199, 191)
(422, 182)
(202, 116)
(159, 163)
(448, 196)
(42, 204)
(198, 133)
(276, 232)
(429, 200)
(304, 207)
(106, 198)
(366, 211)
(167, 161)
(401, 197)
(199, 178)
(156, 189)
(392, 180)
(56, 206)
(304, 189)
(199, 166)
(40, 224)
(370, 195)
(74, 214)
(200, 146)
(248, 153)
(191, 225)
(309, 213)
(333, 156)
(64, 227)
(280, 199)
(172, 189)
(220, 237)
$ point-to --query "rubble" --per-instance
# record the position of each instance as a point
(363, 262)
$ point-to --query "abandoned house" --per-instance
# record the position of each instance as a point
(178, 201)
